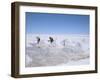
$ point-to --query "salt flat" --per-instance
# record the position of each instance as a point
(65, 50)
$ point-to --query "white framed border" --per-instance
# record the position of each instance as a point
(38, 70)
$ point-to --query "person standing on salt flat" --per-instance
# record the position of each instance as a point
(38, 40)
(51, 40)
(64, 42)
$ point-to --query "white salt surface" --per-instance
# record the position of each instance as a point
(65, 50)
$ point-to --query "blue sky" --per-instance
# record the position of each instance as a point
(47, 23)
